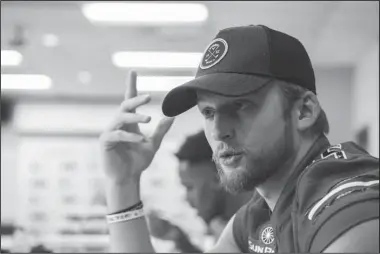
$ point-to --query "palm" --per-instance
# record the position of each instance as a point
(125, 157)
(129, 159)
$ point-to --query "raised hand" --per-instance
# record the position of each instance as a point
(127, 152)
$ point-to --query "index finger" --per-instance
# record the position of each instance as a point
(131, 90)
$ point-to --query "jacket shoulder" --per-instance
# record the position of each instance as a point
(331, 192)
(338, 164)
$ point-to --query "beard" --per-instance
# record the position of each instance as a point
(257, 167)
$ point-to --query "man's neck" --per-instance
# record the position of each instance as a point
(271, 189)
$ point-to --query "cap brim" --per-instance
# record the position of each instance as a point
(184, 97)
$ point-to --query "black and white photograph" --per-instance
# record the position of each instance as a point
(189, 126)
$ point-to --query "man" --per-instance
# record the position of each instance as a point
(163, 229)
(204, 192)
(255, 87)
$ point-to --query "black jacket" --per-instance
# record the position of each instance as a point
(333, 189)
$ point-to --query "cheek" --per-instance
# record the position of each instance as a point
(267, 127)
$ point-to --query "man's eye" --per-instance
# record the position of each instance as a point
(208, 113)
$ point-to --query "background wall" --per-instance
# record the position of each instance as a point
(365, 97)
(334, 90)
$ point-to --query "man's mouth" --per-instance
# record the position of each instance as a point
(230, 158)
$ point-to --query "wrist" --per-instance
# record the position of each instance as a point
(120, 196)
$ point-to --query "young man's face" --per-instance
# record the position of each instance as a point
(202, 188)
(251, 136)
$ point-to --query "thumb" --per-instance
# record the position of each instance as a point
(160, 131)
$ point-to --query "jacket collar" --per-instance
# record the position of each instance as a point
(287, 194)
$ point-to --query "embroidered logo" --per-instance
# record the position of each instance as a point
(214, 53)
(255, 247)
(267, 235)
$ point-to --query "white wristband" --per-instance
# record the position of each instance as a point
(125, 216)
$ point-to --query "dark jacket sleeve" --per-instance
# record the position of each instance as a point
(333, 195)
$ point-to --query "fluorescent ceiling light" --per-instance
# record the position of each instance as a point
(160, 83)
(10, 58)
(50, 40)
(25, 81)
(156, 59)
(145, 13)
(84, 77)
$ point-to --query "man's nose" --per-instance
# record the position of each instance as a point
(222, 127)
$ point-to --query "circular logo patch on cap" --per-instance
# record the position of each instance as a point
(215, 52)
(267, 235)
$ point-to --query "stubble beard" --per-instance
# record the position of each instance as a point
(258, 167)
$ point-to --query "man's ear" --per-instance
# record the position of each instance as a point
(308, 110)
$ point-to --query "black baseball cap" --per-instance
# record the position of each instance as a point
(238, 61)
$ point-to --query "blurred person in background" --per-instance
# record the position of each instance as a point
(165, 230)
(199, 175)
(255, 88)
(212, 202)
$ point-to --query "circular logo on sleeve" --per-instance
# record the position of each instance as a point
(215, 52)
(267, 235)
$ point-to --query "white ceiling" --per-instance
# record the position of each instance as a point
(334, 33)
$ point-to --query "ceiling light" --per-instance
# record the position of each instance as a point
(50, 40)
(10, 58)
(25, 81)
(145, 13)
(160, 83)
(156, 59)
(84, 77)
